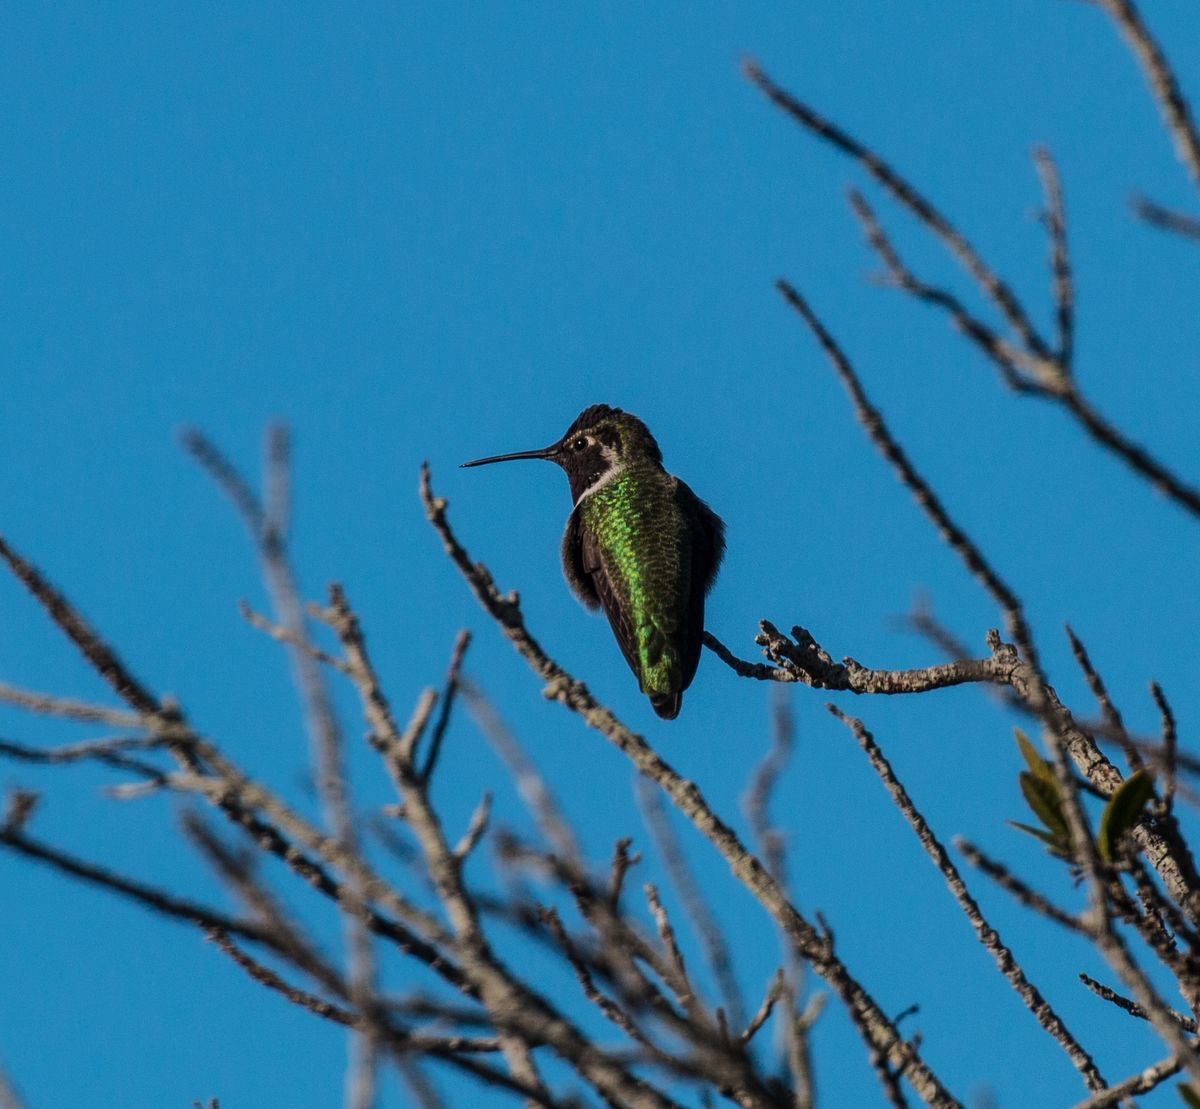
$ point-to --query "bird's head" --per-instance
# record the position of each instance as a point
(600, 443)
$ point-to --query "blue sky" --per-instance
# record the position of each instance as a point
(440, 231)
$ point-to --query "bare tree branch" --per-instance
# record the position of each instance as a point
(532, 787)
(1111, 715)
(511, 1005)
(102, 658)
(1131, 1007)
(453, 679)
(763, 1014)
(1031, 364)
(109, 751)
(68, 708)
(1025, 894)
(268, 528)
(805, 661)
(453, 926)
(150, 897)
(907, 195)
(1169, 740)
(1007, 963)
(712, 940)
(1177, 115)
(1026, 677)
(1060, 259)
(1141, 1083)
(1178, 223)
(764, 779)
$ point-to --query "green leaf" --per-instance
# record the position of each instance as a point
(1189, 1095)
(1040, 789)
(1046, 802)
(1040, 833)
(1038, 765)
(1057, 846)
(1123, 811)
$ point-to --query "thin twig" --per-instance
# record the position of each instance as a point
(449, 1049)
(1022, 371)
(423, 1092)
(695, 906)
(1170, 737)
(449, 692)
(1020, 658)
(678, 979)
(1060, 260)
(617, 957)
(798, 1044)
(532, 787)
(1178, 223)
(763, 1014)
(417, 1044)
(1141, 1083)
(1031, 367)
(286, 635)
(1108, 710)
(150, 897)
(756, 800)
(907, 195)
(606, 1005)
(108, 751)
(67, 707)
(475, 829)
(100, 656)
(1024, 893)
(1177, 115)
(1131, 1007)
(877, 430)
(265, 976)
(771, 842)
(226, 476)
(622, 860)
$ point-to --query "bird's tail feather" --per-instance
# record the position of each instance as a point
(667, 705)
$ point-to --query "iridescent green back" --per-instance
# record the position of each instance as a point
(640, 530)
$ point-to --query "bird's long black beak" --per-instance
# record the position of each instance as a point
(545, 452)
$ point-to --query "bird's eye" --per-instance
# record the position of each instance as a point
(579, 444)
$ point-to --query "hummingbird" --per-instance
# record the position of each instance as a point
(639, 544)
